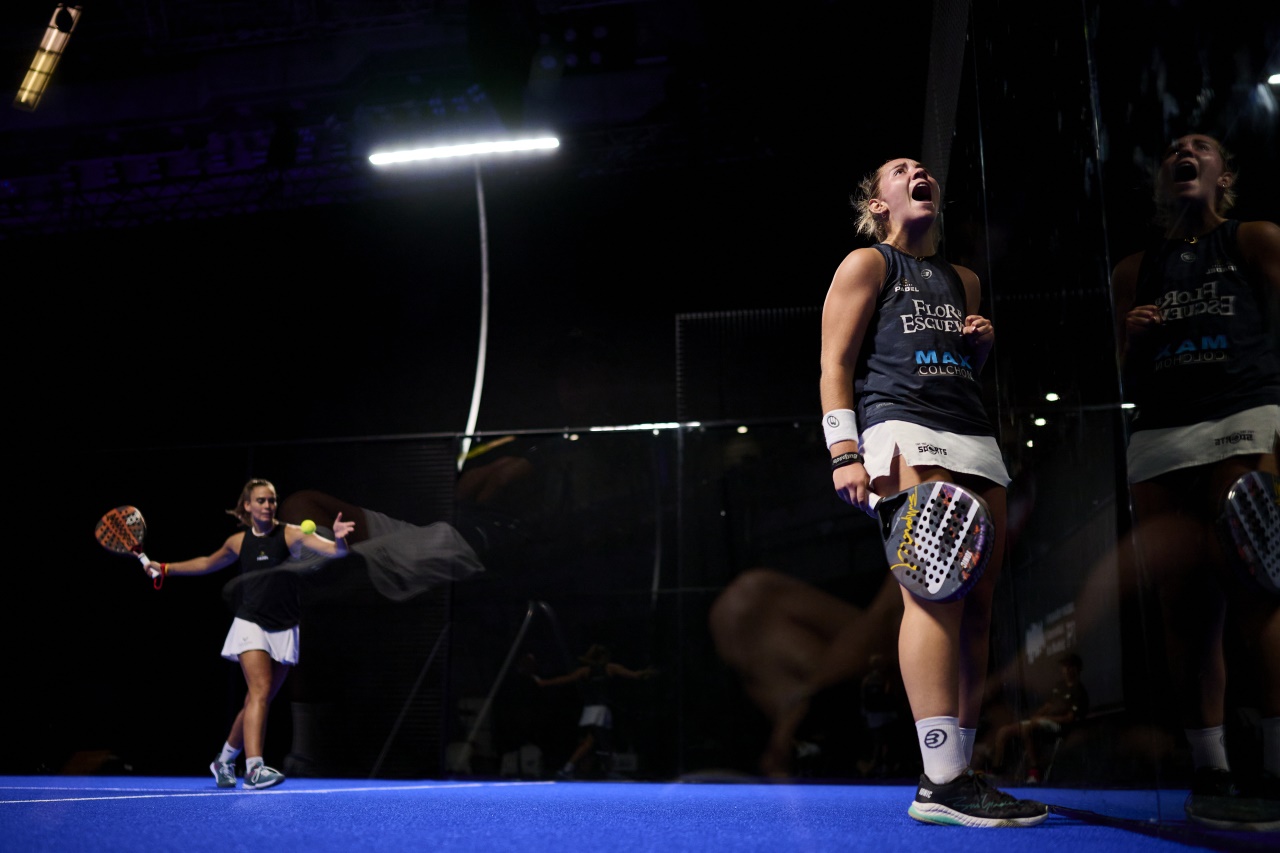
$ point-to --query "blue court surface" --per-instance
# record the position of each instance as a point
(97, 813)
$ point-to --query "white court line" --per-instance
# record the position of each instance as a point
(242, 792)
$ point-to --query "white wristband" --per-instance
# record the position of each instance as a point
(840, 425)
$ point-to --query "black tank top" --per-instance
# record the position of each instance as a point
(269, 599)
(1213, 355)
(595, 689)
(915, 364)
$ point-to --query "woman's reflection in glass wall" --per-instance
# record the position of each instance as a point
(1099, 91)
(1195, 293)
(1201, 369)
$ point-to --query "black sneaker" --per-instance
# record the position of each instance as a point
(1215, 800)
(970, 800)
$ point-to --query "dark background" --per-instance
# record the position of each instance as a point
(207, 281)
(714, 176)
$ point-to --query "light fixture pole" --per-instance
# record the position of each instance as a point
(474, 151)
(478, 389)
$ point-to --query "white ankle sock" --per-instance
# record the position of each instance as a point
(967, 737)
(1208, 748)
(940, 748)
(228, 754)
(252, 762)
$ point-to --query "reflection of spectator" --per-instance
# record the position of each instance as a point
(789, 640)
(596, 722)
(1068, 703)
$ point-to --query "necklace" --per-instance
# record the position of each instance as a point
(1191, 240)
(253, 528)
(919, 258)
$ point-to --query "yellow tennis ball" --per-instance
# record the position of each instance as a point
(308, 526)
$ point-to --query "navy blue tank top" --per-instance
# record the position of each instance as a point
(915, 364)
(1213, 355)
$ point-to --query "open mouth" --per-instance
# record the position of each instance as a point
(921, 192)
(1184, 170)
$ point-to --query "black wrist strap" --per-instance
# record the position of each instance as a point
(845, 459)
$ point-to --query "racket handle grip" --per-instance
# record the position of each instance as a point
(147, 567)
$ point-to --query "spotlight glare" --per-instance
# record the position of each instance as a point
(1052, 397)
(473, 149)
(1039, 422)
(655, 428)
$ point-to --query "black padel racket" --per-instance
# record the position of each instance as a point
(1251, 521)
(937, 537)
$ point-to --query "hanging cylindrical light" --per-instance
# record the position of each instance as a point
(47, 55)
